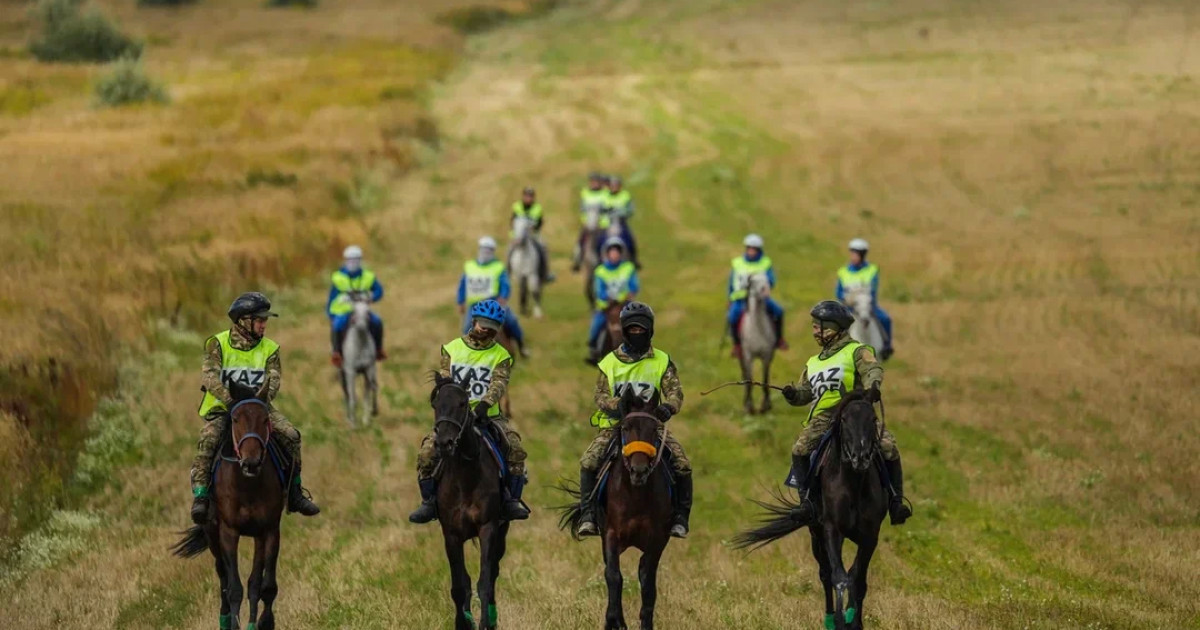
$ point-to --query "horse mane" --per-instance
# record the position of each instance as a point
(439, 382)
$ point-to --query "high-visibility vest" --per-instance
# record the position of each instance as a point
(742, 270)
(240, 367)
(832, 377)
(644, 376)
(344, 284)
(855, 279)
(483, 281)
(473, 369)
(616, 281)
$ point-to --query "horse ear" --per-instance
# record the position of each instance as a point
(241, 392)
(655, 399)
(626, 402)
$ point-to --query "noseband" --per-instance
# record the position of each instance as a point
(237, 443)
(638, 446)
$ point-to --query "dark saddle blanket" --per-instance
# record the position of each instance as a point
(793, 478)
(282, 462)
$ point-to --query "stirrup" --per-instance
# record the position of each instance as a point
(587, 528)
(301, 502)
(899, 510)
(679, 530)
(200, 507)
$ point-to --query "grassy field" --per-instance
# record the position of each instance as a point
(1028, 174)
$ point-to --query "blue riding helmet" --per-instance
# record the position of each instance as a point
(488, 310)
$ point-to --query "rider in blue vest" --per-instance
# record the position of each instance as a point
(753, 261)
(860, 272)
(617, 281)
(352, 278)
(485, 278)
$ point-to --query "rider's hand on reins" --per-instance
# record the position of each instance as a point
(790, 393)
(873, 394)
(481, 412)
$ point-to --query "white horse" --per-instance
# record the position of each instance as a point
(358, 357)
(866, 328)
(523, 265)
(758, 340)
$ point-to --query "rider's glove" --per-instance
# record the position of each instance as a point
(481, 412)
(873, 394)
(663, 412)
(790, 393)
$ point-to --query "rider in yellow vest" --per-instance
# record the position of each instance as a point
(842, 365)
(636, 364)
(486, 278)
(483, 368)
(242, 356)
(859, 274)
(529, 208)
(753, 261)
(351, 282)
(616, 280)
(619, 206)
(594, 196)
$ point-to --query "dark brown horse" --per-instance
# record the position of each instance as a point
(636, 510)
(469, 502)
(611, 337)
(852, 503)
(249, 499)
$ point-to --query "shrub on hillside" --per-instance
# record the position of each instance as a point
(72, 34)
(128, 84)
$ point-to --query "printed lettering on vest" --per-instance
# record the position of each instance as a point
(641, 389)
(826, 380)
(246, 377)
(476, 379)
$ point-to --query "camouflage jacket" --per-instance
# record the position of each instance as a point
(670, 390)
(210, 380)
(500, 375)
(868, 370)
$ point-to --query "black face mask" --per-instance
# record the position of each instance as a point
(639, 343)
(481, 337)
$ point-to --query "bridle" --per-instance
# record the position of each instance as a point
(628, 449)
(237, 442)
(461, 424)
(842, 441)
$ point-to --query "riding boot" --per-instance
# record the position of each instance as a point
(587, 504)
(805, 511)
(737, 342)
(683, 506)
(299, 499)
(897, 508)
(514, 509)
(200, 505)
(428, 510)
(780, 343)
(376, 327)
(335, 340)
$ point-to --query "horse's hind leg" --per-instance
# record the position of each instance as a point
(460, 584)
(766, 387)
(373, 395)
(270, 588)
(648, 577)
(537, 300)
(615, 616)
(858, 571)
(823, 570)
(842, 588)
(487, 576)
(233, 590)
(348, 392)
(748, 375)
(254, 583)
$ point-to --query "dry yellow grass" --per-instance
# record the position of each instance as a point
(1029, 178)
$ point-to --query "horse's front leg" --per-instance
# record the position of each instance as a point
(766, 387)
(270, 588)
(254, 583)
(843, 599)
(373, 394)
(348, 391)
(487, 575)
(748, 375)
(823, 570)
(858, 571)
(214, 546)
(615, 616)
(460, 583)
(233, 590)
(648, 577)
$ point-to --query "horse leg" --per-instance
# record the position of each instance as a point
(823, 570)
(748, 375)
(254, 583)
(214, 547)
(233, 591)
(373, 394)
(499, 548)
(615, 617)
(270, 588)
(487, 577)
(460, 584)
(766, 388)
(862, 561)
(524, 296)
(348, 390)
(537, 300)
(648, 577)
(842, 591)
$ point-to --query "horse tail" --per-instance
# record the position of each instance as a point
(193, 543)
(570, 515)
(775, 524)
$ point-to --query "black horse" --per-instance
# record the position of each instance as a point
(469, 500)
(852, 504)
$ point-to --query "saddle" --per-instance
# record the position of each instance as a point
(814, 466)
(492, 438)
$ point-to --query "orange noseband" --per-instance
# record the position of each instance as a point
(640, 447)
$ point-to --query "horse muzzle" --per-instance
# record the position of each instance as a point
(251, 467)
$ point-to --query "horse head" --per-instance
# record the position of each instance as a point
(861, 301)
(758, 287)
(639, 434)
(591, 216)
(250, 428)
(451, 414)
(857, 430)
(522, 228)
(362, 314)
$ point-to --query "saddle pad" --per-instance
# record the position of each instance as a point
(792, 480)
(494, 449)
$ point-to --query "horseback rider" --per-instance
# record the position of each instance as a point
(619, 205)
(593, 196)
(350, 279)
(482, 366)
(529, 208)
(616, 281)
(858, 274)
(843, 364)
(485, 278)
(242, 355)
(636, 362)
(753, 261)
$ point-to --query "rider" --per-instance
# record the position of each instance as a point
(483, 368)
(636, 362)
(594, 195)
(753, 261)
(529, 208)
(242, 355)
(352, 278)
(616, 281)
(860, 273)
(485, 278)
(619, 205)
(843, 364)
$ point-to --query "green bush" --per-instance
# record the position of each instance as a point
(71, 34)
(127, 84)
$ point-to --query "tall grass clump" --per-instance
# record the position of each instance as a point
(128, 84)
(72, 34)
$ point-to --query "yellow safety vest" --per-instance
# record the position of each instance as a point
(830, 378)
(483, 281)
(742, 270)
(473, 369)
(616, 281)
(243, 367)
(533, 213)
(644, 376)
(597, 198)
(618, 203)
(342, 304)
(864, 277)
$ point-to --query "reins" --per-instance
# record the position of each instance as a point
(237, 443)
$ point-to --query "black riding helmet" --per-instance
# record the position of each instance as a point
(835, 313)
(637, 314)
(253, 304)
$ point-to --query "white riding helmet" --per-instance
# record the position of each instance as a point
(859, 245)
(354, 251)
(753, 240)
(614, 241)
(487, 242)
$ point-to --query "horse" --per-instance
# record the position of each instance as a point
(851, 504)
(358, 358)
(523, 265)
(611, 336)
(636, 509)
(866, 328)
(591, 236)
(469, 500)
(758, 340)
(249, 500)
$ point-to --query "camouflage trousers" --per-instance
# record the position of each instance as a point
(514, 453)
(811, 437)
(283, 433)
(593, 457)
